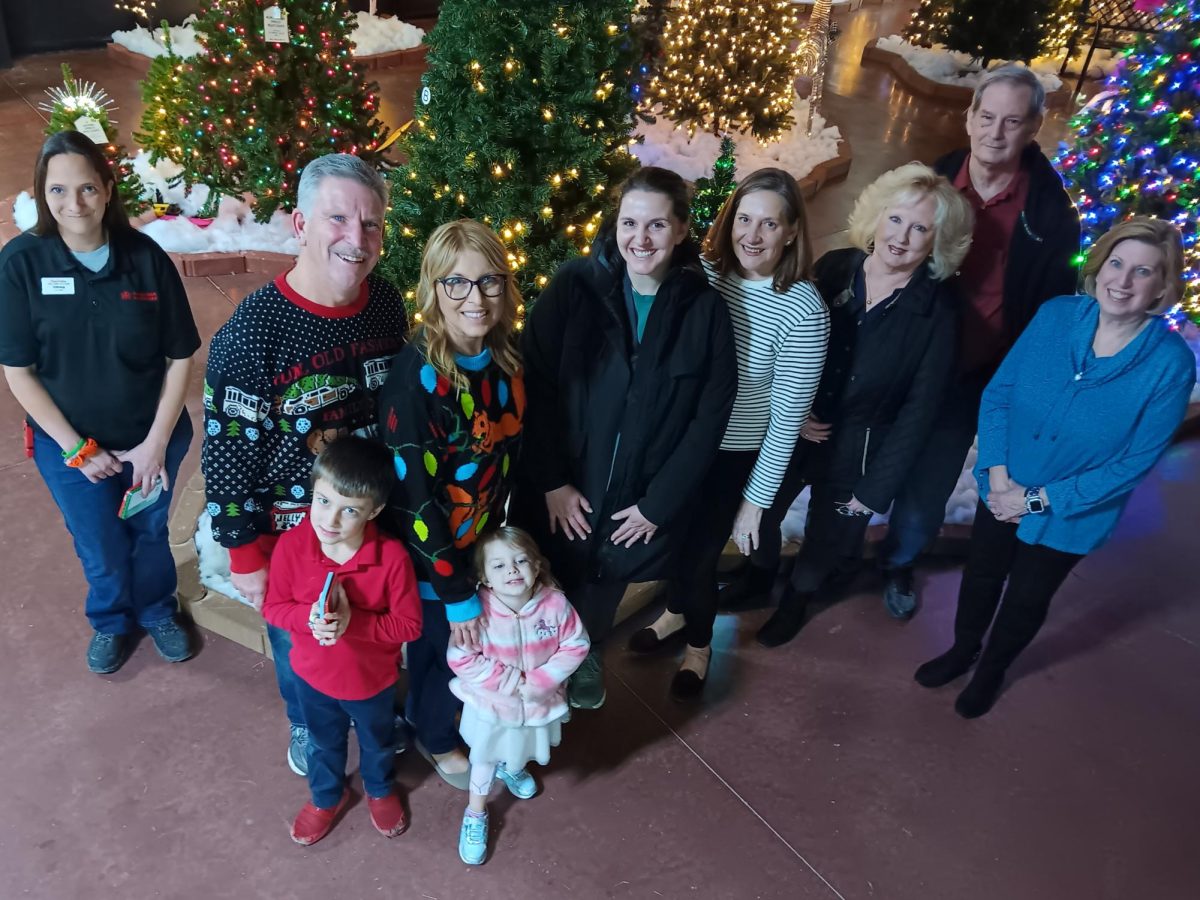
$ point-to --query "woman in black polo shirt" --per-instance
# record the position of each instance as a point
(96, 340)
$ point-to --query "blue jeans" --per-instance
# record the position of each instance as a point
(281, 649)
(328, 730)
(920, 506)
(127, 563)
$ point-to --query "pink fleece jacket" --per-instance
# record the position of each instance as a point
(519, 673)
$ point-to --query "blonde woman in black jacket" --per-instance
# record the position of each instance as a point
(891, 353)
(630, 371)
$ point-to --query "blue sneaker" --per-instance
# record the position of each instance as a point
(107, 652)
(472, 839)
(297, 754)
(521, 784)
(170, 640)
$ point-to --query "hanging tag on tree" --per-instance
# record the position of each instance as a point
(91, 129)
(275, 25)
(426, 95)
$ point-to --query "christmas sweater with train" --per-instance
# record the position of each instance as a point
(286, 376)
(454, 452)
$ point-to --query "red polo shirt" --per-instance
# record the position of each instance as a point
(983, 340)
(385, 610)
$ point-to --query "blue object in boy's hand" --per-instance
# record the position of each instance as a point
(324, 596)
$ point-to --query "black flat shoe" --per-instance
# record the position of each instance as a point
(646, 641)
(980, 694)
(748, 588)
(687, 685)
(942, 670)
(787, 621)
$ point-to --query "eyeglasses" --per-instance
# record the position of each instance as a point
(459, 288)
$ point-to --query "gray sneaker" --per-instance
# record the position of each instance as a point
(297, 754)
(585, 689)
(107, 652)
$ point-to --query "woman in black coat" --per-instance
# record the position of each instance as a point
(891, 352)
(630, 375)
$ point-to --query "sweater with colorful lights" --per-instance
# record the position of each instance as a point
(454, 452)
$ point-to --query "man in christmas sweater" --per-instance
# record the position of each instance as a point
(298, 365)
(1022, 254)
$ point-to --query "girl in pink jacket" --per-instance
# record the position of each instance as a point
(513, 685)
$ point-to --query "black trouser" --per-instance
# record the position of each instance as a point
(770, 538)
(596, 603)
(1033, 572)
(431, 707)
(693, 592)
(832, 542)
(920, 505)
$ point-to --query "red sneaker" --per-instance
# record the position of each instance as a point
(313, 823)
(387, 814)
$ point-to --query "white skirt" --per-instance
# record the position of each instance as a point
(514, 745)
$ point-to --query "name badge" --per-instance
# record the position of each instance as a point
(51, 286)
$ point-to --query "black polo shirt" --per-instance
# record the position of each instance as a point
(99, 340)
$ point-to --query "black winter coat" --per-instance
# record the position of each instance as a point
(1045, 241)
(882, 389)
(625, 425)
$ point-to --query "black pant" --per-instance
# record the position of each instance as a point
(1033, 572)
(596, 603)
(693, 592)
(832, 542)
(920, 505)
(431, 707)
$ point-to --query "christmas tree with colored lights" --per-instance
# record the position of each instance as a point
(711, 190)
(81, 106)
(276, 87)
(523, 122)
(165, 96)
(995, 29)
(728, 67)
(1136, 147)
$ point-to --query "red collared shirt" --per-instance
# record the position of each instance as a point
(982, 339)
(385, 610)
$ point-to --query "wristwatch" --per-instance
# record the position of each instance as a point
(1034, 503)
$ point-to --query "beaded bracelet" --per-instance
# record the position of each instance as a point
(86, 452)
(67, 454)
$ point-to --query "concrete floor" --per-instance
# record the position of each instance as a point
(819, 770)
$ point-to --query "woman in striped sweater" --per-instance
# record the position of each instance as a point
(758, 256)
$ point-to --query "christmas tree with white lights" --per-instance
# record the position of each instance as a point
(728, 67)
(1136, 148)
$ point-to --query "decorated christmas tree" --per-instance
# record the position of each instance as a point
(165, 95)
(81, 106)
(995, 29)
(728, 66)
(711, 190)
(1136, 147)
(523, 122)
(276, 87)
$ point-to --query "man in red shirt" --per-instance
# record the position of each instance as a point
(1023, 253)
(348, 597)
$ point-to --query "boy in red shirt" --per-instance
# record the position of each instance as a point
(346, 660)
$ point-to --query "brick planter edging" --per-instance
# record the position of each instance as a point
(951, 93)
(413, 58)
(831, 170)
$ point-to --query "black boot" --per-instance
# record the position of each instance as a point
(980, 693)
(943, 669)
(787, 621)
(749, 586)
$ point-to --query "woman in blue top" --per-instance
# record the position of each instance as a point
(1077, 414)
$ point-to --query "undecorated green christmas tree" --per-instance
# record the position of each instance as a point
(81, 106)
(523, 122)
(728, 66)
(1135, 150)
(272, 94)
(165, 96)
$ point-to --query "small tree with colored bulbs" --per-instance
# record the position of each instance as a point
(81, 106)
(263, 108)
(523, 122)
(711, 190)
(166, 93)
(728, 66)
(1136, 149)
